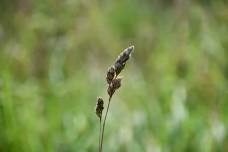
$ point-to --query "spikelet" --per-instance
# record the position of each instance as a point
(110, 74)
(122, 59)
(99, 107)
(116, 84)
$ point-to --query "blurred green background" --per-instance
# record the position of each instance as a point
(53, 60)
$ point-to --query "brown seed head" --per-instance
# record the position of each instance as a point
(99, 107)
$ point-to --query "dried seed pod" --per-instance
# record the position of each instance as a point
(110, 74)
(116, 83)
(99, 107)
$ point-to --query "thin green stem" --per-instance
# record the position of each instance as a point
(103, 128)
(100, 137)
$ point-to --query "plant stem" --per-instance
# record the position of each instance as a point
(102, 135)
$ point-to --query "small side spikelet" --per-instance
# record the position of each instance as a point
(99, 107)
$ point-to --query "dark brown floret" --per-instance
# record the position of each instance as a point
(110, 74)
(116, 83)
(122, 59)
(125, 55)
(119, 67)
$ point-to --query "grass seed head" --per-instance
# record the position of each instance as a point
(114, 83)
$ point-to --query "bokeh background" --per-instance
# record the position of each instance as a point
(53, 60)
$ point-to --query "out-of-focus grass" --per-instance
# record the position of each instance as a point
(53, 61)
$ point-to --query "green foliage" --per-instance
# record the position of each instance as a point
(53, 57)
